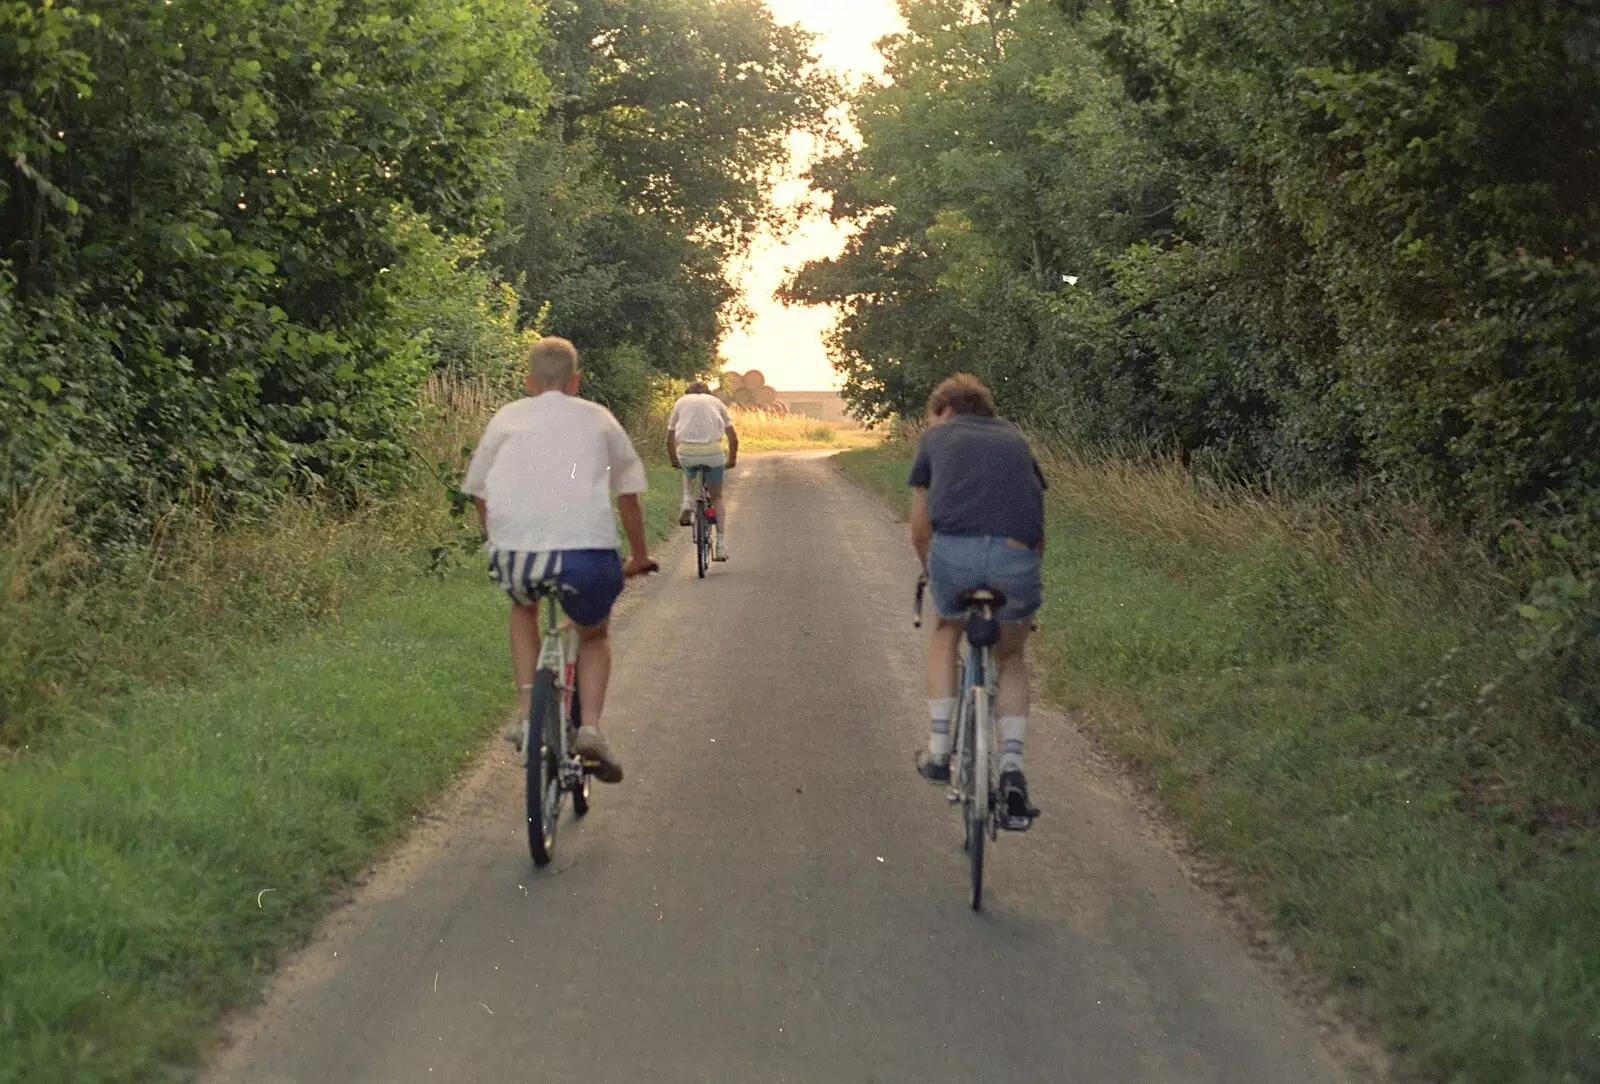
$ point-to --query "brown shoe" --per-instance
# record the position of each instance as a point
(591, 746)
(685, 517)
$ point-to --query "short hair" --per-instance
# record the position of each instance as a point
(699, 387)
(551, 362)
(964, 394)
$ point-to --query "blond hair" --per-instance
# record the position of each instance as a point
(551, 362)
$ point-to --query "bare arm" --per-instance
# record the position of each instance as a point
(632, 516)
(672, 448)
(921, 524)
(733, 446)
(483, 515)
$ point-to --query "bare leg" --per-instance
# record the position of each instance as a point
(720, 531)
(524, 653)
(1011, 701)
(1012, 661)
(942, 649)
(594, 670)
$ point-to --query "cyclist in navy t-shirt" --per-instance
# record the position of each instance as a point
(977, 520)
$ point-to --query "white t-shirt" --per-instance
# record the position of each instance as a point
(699, 421)
(547, 468)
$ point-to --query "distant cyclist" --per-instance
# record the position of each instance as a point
(977, 520)
(695, 429)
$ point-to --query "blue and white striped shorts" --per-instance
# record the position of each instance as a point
(590, 580)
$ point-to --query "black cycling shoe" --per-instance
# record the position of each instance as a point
(931, 768)
(1019, 811)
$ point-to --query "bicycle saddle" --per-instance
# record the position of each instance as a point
(983, 596)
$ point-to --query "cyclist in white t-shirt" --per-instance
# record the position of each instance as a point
(543, 477)
(695, 429)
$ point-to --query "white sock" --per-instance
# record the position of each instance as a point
(939, 713)
(1013, 731)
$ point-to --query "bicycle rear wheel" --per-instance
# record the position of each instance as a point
(978, 806)
(702, 537)
(544, 768)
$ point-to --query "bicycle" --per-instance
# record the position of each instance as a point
(705, 517)
(554, 769)
(974, 765)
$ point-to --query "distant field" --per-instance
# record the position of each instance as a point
(760, 432)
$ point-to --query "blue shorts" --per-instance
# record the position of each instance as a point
(712, 466)
(590, 580)
(959, 563)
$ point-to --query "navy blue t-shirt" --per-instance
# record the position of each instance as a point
(981, 479)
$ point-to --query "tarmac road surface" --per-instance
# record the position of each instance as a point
(772, 894)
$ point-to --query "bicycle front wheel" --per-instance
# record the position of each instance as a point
(544, 768)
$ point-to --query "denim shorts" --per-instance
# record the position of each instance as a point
(959, 563)
(590, 580)
(712, 465)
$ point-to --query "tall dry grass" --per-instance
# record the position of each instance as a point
(456, 407)
(1396, 554)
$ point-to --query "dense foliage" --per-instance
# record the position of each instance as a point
(234, 240)
(1311, 241)
(198, 217)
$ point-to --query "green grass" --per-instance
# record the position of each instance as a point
(1310, 715)
(661, 502)
(159, 859)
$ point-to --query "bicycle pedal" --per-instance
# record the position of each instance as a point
(953, 797)
(1017, 824)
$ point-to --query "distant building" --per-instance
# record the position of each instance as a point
(826, 406)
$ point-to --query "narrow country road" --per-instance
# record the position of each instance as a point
(773, 895)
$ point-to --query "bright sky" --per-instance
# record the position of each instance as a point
(786, 343)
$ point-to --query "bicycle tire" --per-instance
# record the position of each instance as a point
(580, 797)
(978, 806)
(702, 538)
(544, 769)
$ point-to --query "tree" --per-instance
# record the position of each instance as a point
(1318, 241)
(198, 213)
(667, 122)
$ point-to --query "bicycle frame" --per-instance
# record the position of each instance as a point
(975, 725)
(549, 757)
(973, 782)
(702, 521)
(558, 652)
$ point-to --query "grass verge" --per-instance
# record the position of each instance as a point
(1333, 709)
(162, 846)
(156, 865)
